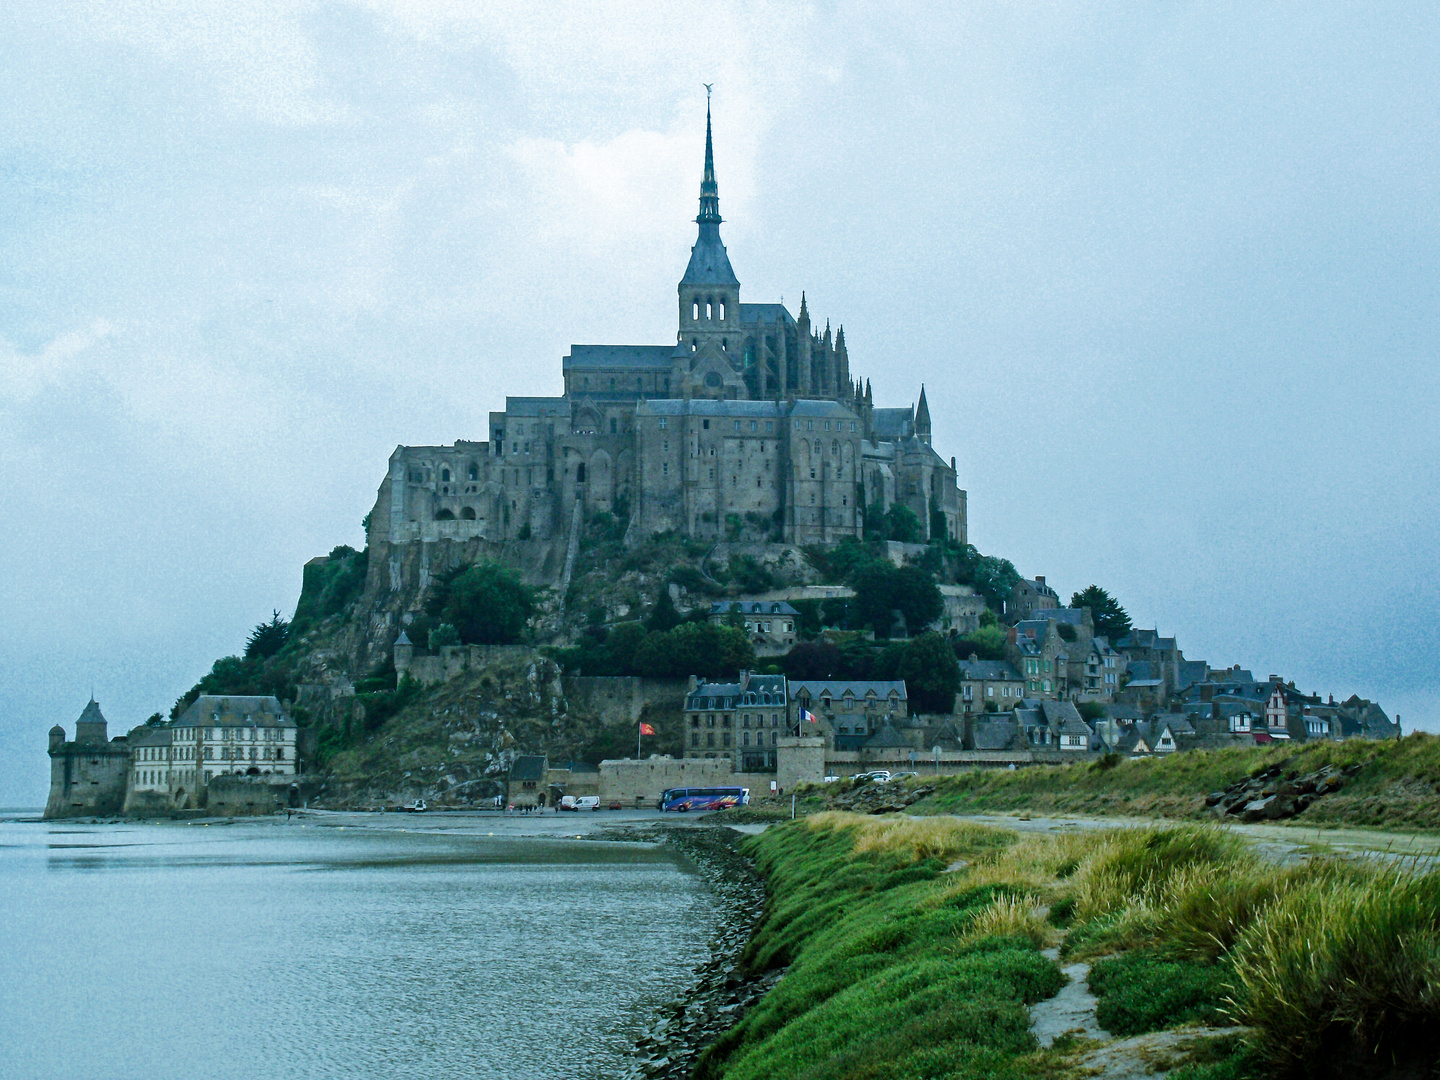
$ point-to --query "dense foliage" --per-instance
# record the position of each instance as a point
(329, 586)
(268, 638)
(1111, 620)
(686, 648)
(487, 604)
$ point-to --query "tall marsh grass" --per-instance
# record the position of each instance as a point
(1341, 974)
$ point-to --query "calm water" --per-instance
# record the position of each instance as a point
(258, 950)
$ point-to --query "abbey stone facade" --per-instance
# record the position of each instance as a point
(752, 414)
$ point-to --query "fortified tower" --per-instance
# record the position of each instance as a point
(87, 776)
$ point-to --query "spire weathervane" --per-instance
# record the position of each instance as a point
(709, 190)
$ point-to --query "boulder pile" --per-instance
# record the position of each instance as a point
(1273, 796)
(880, 798)
(723, 990)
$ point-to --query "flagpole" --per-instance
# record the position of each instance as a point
(639, 727)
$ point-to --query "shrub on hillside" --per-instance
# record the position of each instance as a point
(695, 648)
(486, 603)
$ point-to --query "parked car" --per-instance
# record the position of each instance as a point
(567, 802)
(903, 776)
(416, 807)
(874, 776)
(587, 802)
(830, 779)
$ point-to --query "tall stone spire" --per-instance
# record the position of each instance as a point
(709, 265)
(709, 190)
(922, 417)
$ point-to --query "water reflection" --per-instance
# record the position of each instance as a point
(272, 951)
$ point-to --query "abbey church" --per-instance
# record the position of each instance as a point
(752, 415)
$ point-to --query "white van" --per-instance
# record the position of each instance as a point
(587, 802)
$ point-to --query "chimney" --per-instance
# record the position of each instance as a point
(1040, 579)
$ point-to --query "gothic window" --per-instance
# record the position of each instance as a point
(834, 448)
(695, 311)
(445, 475)
(474, 471)
(722, 309)
(709, 309)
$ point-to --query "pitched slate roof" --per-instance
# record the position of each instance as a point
(536, 406)
(639, 357)
(816, 688)
(994, 670)
(886, 737)
(709, 264)
(752, 607)
(235, 710)
(528, 767)
(766, 314)
(991, 735)
(891, 424)
(1060, 713)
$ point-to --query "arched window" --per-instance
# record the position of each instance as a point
(709, 309)
(474, 471)
(467, 514)
(444, 515)
(722, 309)
(695, 311)
(580, 473)
(445, 475)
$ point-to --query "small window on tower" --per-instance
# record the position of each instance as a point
(695, 311)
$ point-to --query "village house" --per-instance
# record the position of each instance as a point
(737, 720)
(1029, 597)
(988, 686)
(769, 624)
(850, 711)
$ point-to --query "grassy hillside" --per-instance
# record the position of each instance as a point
(1396, 786)
(914, 948)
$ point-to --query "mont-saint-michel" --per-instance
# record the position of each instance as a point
(674, 725)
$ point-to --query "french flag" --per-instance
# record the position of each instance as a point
(808, 717)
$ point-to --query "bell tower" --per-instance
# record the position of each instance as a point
(709, 293)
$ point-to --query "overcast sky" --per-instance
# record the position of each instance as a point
(1167, 272)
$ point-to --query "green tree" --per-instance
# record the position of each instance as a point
(875, 585)
(444, 634)
(918, 598)
(927, 664)
(881, 590)
(624, 640)
(268, 638)
(901, 524)
(1111, 620)
(486, 603)
(663, 615)
(695, 648)
(987, 643)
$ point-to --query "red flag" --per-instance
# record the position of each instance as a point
(646, 729)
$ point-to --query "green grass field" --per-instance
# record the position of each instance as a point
(1395, 787)
(913, 948)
